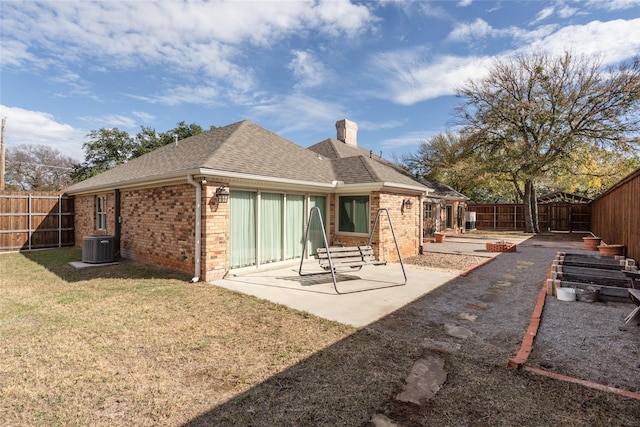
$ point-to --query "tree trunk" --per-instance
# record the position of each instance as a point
(530, 206)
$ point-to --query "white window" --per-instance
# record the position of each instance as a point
(428, 210)
(101, 212)
(353, 214)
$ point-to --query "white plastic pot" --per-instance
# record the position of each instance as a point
(566, 294)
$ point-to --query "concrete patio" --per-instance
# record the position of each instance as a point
(316, 295)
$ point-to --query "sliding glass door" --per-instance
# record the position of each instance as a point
(242, 233)
(269, 227)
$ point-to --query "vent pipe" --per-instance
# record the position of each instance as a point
(198, 232)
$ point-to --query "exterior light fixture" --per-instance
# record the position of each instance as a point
(222, 194)
(408, 203)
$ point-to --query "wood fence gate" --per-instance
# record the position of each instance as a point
(551, 216)
(35, 220)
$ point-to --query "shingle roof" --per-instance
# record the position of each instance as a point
(443, 190)
(379, 168)
(248, 149)
(242, 147)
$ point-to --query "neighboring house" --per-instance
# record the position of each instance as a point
(239, 197)
(444, 209)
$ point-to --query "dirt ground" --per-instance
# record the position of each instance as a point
(494, 303)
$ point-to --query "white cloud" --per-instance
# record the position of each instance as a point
(111, 121)
(614, 4)
(298, 112)
(200, 95)
(469, 32)
(412, 76)
(609, 39)
(408, 139)
(371, 126)
(308, 70)
(464, 3)
(145, 117)
(38, 128)
(567, 12)
(188, 36)
(544, 14)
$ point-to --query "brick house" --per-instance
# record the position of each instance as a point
(444, 210)
(238, 197)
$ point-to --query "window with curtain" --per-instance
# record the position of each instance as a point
(293, 226)
(101, 212)
(353, 214)
(271, 238)
(242, 238)
(315, 232)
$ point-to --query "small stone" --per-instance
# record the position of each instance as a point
(468, 316)
(488, 298)
(424, 381)
(379, 420)
(479, 307)
(457, 331)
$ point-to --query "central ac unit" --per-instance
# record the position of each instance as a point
(97, 249)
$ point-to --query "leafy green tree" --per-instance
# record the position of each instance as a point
(148, 139)
(108, 148)
(105, 149)
(37, 168)
(530, 115)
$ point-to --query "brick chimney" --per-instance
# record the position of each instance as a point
(347, 131)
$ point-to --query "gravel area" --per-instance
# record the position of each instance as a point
(493, 305)
(445, 261)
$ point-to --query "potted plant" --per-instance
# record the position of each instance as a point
(611, 250)
(591, 243)
(439, 237)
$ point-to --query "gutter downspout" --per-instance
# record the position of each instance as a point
(198, 232)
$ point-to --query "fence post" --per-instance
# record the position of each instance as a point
(59, 220)
(495, 217)
(29, 213)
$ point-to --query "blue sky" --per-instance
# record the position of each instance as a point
(293, 67)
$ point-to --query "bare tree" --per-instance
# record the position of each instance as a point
(531, 115)
(38, 168)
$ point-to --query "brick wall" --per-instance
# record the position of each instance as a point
(85, 217)
(406, 224)
(215, 229)
(158, 226)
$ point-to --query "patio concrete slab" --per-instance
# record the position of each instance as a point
(316, 295)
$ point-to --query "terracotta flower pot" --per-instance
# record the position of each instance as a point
(610, 250)
(591, 243)
(439, 237)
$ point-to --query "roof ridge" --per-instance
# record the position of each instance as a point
(232, 128)
(366, 165)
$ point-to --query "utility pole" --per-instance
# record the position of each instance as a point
(2, 161)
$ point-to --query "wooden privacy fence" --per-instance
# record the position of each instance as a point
(552, 216)
(616, 215)
(35, 220)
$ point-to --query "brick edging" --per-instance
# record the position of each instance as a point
(590, 384)
(527, 341)
(527, 345)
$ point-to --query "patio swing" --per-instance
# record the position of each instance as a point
(332, 258)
